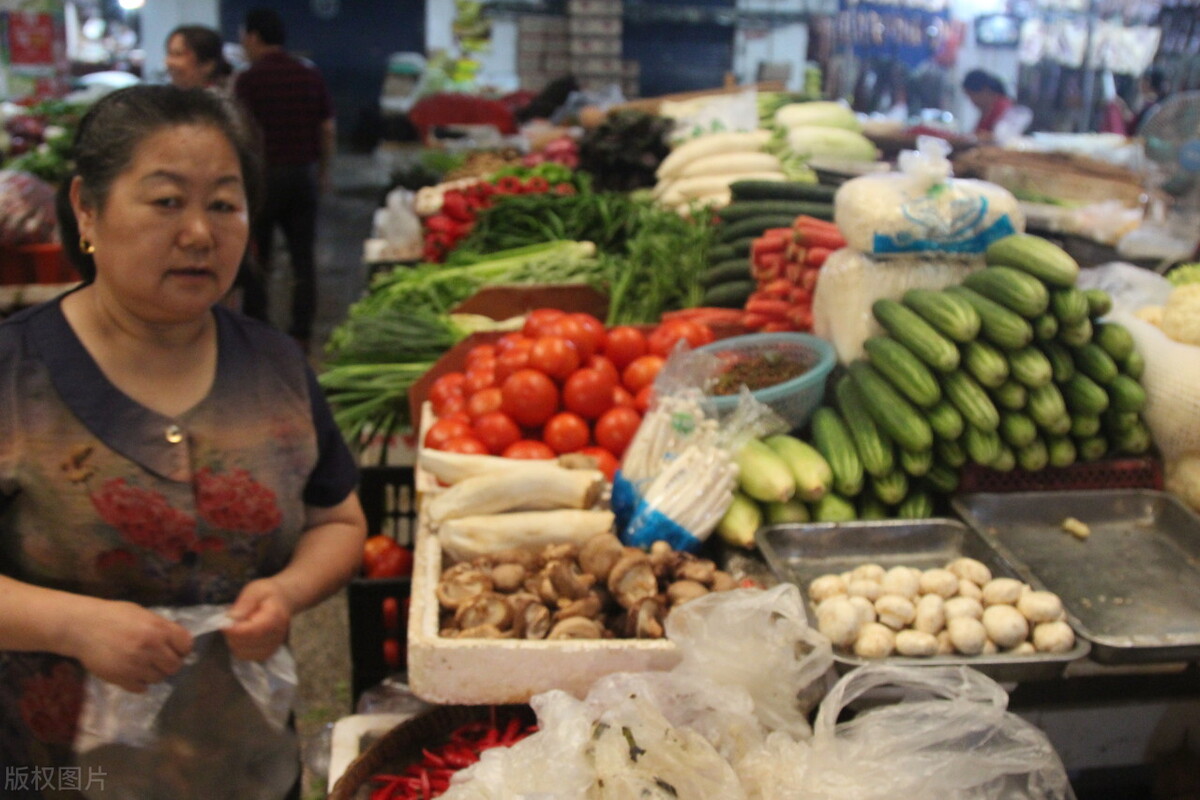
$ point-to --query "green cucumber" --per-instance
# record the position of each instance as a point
(943, 478)
(1126, 394)
(1075, 334)
(907, 327)
(952, 316)
(1085, 425)
(1036, 256)
(750, 190)
(1115, 338)
(1099, 302)
(890, 488)
(782, 513)
(1045, 327)
(1016, 428)
(1010, 395)
(1030, 367)
(985, 362)
(898, 418)
(1134, 442)
(731, 294)
(733, 269)
(916, 464)
(721, 252)
(745, 209)
(904, 370)
(983, 447)
(832, 439)
(875, 450)
(871, 507)
(1084, 396)
(1134, 365)
(1091, 448)
(1061, 360)
(917, 505)
(833, 508)
(752, 226)
(1046, 405)
(971, 401)
(1001, 327)
(1061, 450)
(945, 420)
(1095, 362)
(950, 453)
(1015, 290)
(1069, 305)
(1033, 456)
(1005, 460)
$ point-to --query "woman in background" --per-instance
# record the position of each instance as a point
(987, 93)
(196, 58)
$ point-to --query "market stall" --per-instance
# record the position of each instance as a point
(955, 450)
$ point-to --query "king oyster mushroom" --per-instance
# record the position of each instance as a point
(632, 578)
(460, 583)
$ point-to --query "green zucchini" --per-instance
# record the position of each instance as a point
(985, 362)
(971, 400)
(1126, 394)
(875, 450)
(1099, 302)
(1095, 362)
(890, 488)
(744, 209)
(904, 370)
(730, 294)
(916, 334)
(752, 226)
(1010, 395)
(952, 316)
(733, 269)
(1061, 360)
(1016, 428)
(945, 420)
(1069, 305)
(747, 190)
(832, 439)
(1015, 290)
(1001, 327)
(1036, 256)
(833, 508)
(1115, 338)
(898, 418)
(1030, 367)
(1033, 456)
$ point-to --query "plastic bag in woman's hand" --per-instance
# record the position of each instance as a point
(949, 736)
(216, 729)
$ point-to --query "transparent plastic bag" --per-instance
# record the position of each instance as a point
(941, 732)
(1131, 287)
(216, 729)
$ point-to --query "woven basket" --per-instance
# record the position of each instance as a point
(402, 745)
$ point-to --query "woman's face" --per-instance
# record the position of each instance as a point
(185, 71)
(171, 236)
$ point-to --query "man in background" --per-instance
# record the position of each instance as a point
(292, 105)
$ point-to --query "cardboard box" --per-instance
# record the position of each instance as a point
(594, 66)
(589, 46)
(594, 8)
(595, 26)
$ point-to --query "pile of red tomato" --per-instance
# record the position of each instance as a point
(562, 384)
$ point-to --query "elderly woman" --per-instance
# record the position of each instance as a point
(156, 449)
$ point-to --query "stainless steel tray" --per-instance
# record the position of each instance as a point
(798, 553)
(1132, 587)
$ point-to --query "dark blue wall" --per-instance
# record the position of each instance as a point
(678, 50)
(351, 48)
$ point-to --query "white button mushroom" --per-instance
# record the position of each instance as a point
(930, 614)
(865, 609)
(838, 619)
(826, 586)
(941, 582)
(916, 643)
(867, 572)
(967, 635)
(895, 611)
(957, 607)
(904, 581)
(865, 588)
(1005, 626)
(1053, 637)
(968, 588)
(1002, 591)
(1040, 606)
(970, 569)
(875, 641)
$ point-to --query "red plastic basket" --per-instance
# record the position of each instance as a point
(1116, 473)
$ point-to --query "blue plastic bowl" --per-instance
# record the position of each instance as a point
(795, 400)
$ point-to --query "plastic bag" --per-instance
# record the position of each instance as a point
(1131, 287)
(712, 114)
(921, 209)
(947, 734)
(216, 729)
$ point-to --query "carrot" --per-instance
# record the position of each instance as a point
(808, 222)
(776, 289)
(798, 295)
(707, 314)
(767, 244)
(777, 327)
(767, 266)
(813, 237)
(767, 306)
(816, 256)
(752, 321)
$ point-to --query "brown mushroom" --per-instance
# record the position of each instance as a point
(576, 628)
(598, 554)
(664, 558)
(588, 606)
(722, 581)
(632, 578)
(517, 555)
(487, 608)
(569, 583)
(700, 570)
(531, 620)
(680, 592)
(508, 577)
(564, 550)
(644, 620)
(460, 583)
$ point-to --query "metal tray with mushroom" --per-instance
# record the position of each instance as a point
(803, 552)
(1126, 563)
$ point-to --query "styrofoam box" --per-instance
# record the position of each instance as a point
(483, 671)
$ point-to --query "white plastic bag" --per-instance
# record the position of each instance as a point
(216, 729)
(921, 209)
(949, 735)
(1131, 287)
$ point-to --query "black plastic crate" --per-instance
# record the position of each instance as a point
(389, 501)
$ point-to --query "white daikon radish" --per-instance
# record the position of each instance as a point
(509, 490)
(467, 537)
(696, 186)
(711, 144)
(723, 164)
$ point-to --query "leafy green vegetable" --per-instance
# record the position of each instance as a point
(1184, 274)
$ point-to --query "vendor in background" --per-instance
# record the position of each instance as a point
(999, 116)
(196, 58)
(1152, 90)
(156, 449)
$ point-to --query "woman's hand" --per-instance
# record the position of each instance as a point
(262, 614)
(126, 644)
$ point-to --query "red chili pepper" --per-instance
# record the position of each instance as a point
(536, 184)
(511, 732)
(564, 188)
(454, 205)
(509, 184)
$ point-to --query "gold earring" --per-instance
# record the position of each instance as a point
(86, 247)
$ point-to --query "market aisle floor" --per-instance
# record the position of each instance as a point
(320, 639)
